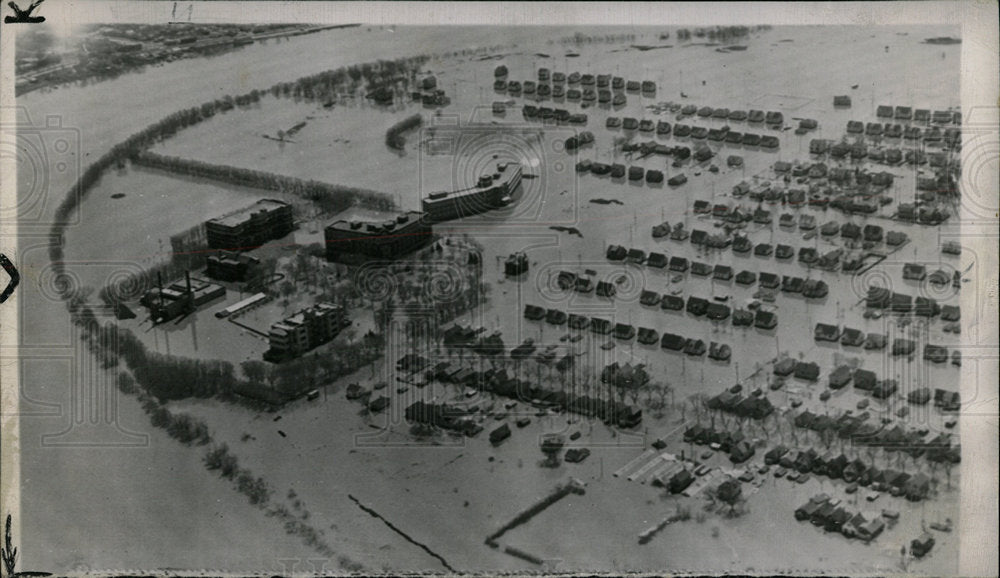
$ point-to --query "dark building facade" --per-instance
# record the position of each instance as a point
(251, 227)
(355, 241)
(230, 266)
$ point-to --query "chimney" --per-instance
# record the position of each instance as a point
(187, 279)
(159, 281)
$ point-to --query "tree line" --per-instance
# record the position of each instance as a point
(394, 138)
(327, 85)
(720, 33)
(171, 377)
(328, 197)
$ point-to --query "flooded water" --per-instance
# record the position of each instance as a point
(325, 456)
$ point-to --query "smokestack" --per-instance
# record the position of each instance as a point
(187, 279)
(159, 282)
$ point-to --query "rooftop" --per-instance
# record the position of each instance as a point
(380, 223)
(242, 215)
(486, 182)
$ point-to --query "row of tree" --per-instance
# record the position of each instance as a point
(255, 489)
(328, 197)
(329, 85)
(719, 33)
(394, 138)
(581, 38)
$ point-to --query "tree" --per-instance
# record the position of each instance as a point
(126, 383)
(287, 290)
(9, 552)
(255, 371)
(551, 446)
(730, 492)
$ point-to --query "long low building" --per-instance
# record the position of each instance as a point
(490, 192)
(353, 241)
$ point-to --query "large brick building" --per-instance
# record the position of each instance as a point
(491, 191)
(250, 227)
(230, 266)
(355, 240)
(305, 330)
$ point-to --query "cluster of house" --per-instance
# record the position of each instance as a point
(866, 380)
(849, 337)
(603, 88)
(429, 94)
(861, 432)
(722, 135)
(809, 173)
(475, 339)
(924, 215)
(828, 513)
(859, 149)
(895, 302)
(558, 115)
(754, 406)
(625, 377)
(501, 383)
(644, 335)
(934, 134)
(619, 171)
(813, 288)
(804, 370)
(450, 417)
(919, 115)
(809, 257)
(733, 443)
(676, 477)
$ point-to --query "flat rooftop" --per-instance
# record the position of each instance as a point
(242, 215)
(504, 174)
(376, 218)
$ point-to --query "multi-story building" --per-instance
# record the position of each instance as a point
(230, 266)
(250, 227)
(305, 330)
(352, 241)
(491, 191)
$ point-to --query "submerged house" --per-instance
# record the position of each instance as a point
(808, 371)
(841, 376)
(826, 332)
(785, 367)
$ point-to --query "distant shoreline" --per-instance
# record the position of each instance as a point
(57, 76)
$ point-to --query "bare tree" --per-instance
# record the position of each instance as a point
(9, 552)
